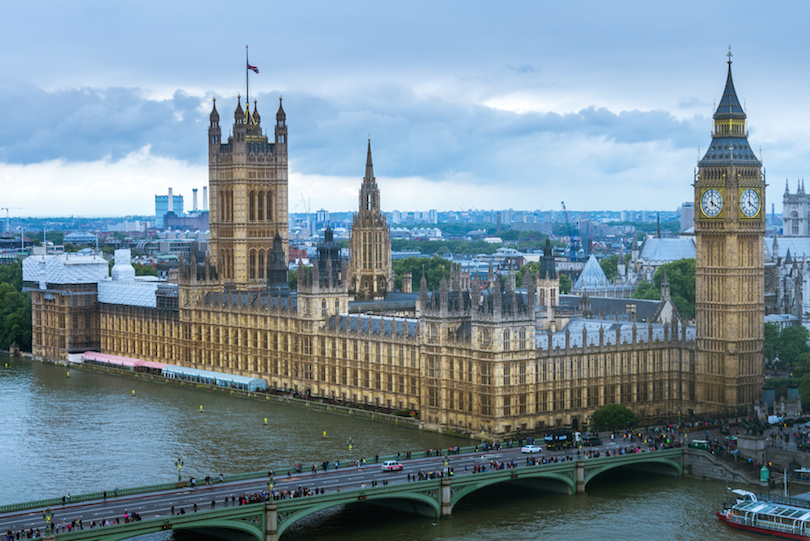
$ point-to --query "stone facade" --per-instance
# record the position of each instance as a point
(370, 273)
(729, 267)
(502, 359)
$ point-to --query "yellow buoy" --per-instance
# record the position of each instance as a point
(324, 433)
(68, 374)
(133, 392)
(201, 409)
(265, 421)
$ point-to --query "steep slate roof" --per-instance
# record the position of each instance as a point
(592, 326)
(797, 246)
(729, 149)
(592, 276)
(364, 324)
(668, 249)
(644, 309)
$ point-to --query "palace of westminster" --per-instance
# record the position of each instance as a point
(476, 355)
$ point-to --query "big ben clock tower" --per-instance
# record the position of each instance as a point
(729, 269)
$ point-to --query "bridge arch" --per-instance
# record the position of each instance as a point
(428, 500)
(562, 479)
(656, 462)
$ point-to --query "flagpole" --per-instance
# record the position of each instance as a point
(247, 85)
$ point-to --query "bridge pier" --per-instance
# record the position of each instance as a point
(271, 521)
(447, 498)
(580, 476)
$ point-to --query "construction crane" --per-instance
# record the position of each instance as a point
(8, 222)
(306, 203)
(573, 240)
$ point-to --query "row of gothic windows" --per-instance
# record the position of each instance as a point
(256, 264)
(257, 212)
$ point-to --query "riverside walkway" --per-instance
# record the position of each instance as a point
(260, 507)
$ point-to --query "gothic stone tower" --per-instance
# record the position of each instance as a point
(729, 270)
(248, 201)
(370, 261)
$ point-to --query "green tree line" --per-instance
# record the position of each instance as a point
(15, 309)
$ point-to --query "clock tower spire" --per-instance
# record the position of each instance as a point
(729, 268)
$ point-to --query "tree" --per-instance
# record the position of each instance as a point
(681, 275)
(434, 268)
(610, 266)
(792, 343)
(614, 417)
(144, 270)
(771, 341)
(565, 283)
(804, 391)
(15, 309)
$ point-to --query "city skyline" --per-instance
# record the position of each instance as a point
(600, 107)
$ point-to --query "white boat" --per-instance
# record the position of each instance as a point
(766, 516)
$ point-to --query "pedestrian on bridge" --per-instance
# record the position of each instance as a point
(213, 504)
(172, 509)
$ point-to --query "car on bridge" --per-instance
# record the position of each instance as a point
(531, 449)
(592, 440)
(391, 465)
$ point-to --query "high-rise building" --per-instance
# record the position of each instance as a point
(730, 268)
(248, 180)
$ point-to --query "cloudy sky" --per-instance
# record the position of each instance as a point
(469, 104)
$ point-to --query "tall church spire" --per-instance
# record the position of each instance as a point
(369, 166)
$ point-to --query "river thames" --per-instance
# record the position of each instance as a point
(88, 432)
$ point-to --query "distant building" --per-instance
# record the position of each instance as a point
(687, 212)
(80, 239)
(796, 212)
(162, 207)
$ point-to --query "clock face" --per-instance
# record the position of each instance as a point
(711, 203)
(749, 203)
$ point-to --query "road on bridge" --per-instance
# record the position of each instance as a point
(218, 495)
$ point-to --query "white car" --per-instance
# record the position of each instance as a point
(531, 449)
(391, 465)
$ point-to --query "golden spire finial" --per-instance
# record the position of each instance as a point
(729, 55)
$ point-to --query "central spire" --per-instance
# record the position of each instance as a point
(369, 166)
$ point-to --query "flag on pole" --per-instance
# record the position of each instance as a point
(254, 68)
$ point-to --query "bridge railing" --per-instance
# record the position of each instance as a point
(279, 473)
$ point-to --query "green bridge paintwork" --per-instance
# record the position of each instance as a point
(266, 521)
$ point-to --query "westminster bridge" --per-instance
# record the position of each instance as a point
(259, 507)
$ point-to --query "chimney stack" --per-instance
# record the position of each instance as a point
(205, 197)
(194, 191)
(171, 201)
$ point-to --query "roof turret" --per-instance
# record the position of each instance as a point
(239, 114)
(281, 116)
(214, 116)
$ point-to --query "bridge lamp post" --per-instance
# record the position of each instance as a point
(179, 464)
(350, 444)
(482, 435)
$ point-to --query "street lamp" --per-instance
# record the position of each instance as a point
(179, 464)
(350, 444)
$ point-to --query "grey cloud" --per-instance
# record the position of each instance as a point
(411, 135)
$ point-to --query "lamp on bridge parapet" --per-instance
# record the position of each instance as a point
(179, 464)
(350, 445)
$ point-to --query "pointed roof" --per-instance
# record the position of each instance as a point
(214, 117)
(239, 114)
(592, 276)
(369, 166)
(729, 106)
(729, 139)
(280, 114)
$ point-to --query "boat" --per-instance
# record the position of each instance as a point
(769, 517)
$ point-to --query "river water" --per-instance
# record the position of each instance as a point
(86, 431)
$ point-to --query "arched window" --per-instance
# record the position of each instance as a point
(261, 264)
(506, 340)
(252, 206)
(260, 217)
(269, 206)
(794, 223)
(252, 264)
